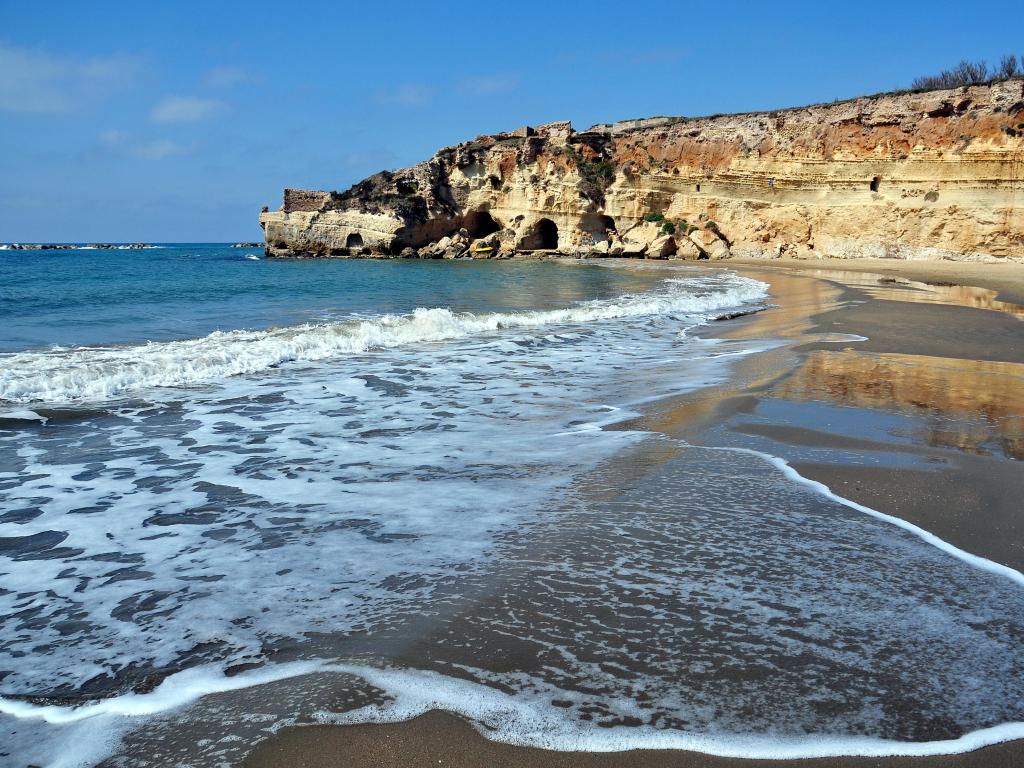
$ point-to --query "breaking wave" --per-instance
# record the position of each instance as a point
(101, 373)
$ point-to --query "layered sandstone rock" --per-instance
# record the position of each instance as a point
(914, 176)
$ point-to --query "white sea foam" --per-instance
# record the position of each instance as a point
(841, 338)
(83, 736)
(344, 494)
(526, 720)
(981, 563)
(100, 373)
(525, 717)
(529, 720)
(326, 464)
(175, 691)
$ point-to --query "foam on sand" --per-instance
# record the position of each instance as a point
(525, 717)
(978, 562)
(531, 721)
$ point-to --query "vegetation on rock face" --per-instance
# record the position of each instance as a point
(970, 73)
(407, 187)
(596, 174)
(669, 227)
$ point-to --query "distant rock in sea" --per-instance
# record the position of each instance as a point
(74, 247)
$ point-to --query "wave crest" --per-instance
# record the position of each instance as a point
(102, 373)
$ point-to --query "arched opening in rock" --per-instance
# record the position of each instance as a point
(354, 240)
(875, 182)
(542, 236)
(480, 224)
(698, 187)
(598, 226)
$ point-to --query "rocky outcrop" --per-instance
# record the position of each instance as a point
(936, 175)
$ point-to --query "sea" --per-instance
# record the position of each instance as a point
(370, 488)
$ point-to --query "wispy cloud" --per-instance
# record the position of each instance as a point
(158, 149)
(418, 94)
(225, 77)
(406, 94)
(115, 139)
(484, 85)
(36, 82)
(184, 109)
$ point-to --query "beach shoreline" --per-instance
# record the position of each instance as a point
(818, 315)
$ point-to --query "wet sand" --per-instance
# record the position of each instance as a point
(1006, 279)
(924, 420)
(438, 738)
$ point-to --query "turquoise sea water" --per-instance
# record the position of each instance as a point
(191, 289)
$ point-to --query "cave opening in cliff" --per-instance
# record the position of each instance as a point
(875, 182)
(542, 236)
(354, 240)
(599, 226)
(480, 224)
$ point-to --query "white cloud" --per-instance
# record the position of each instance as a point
(224, 77)
(406, 95)
(115, 139)
(184, 109)
(37, 82)
(483, 85)
(416, 94)
(158, 149)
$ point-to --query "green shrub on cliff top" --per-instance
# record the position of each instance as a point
(654, 216)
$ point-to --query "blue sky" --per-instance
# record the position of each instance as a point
(178, 121)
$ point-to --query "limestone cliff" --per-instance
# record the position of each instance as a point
(912, 175)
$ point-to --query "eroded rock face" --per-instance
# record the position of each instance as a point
(915, 176)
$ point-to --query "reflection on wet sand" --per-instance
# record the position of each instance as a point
(970, 405)
(912, 291)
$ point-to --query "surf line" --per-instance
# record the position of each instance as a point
(498, 716)
(175, 691)
(981, 563)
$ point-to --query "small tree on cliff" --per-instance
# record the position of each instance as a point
(969, 73)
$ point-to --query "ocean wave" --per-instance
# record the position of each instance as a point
(102, 373)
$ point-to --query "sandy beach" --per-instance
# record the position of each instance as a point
(898, 385)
